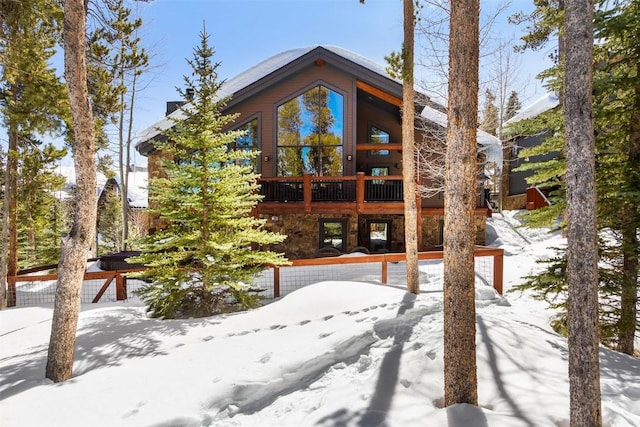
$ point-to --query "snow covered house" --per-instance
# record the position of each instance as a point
(517, 193)
(349, 192)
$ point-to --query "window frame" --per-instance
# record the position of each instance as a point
(341, 135)
(389, 223)
(257, 167)
(378, 153)
(322, 234)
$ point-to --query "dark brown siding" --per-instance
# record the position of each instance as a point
(369, 115)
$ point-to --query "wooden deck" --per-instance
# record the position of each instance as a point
(342, 195)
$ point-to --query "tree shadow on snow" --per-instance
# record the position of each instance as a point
(100, 342)
(401, 329)
(495, 371)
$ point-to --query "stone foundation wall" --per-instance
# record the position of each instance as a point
(303, 233)
(303, 230)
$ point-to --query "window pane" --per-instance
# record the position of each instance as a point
(248, 142)
(333, 234)
(313, 121)
(379, 236)
(250, 139)
(291, 161)
(379, 171)
(379, 136)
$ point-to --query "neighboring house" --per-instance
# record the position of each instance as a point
(341, 189)
(137, 192)
(516, 193)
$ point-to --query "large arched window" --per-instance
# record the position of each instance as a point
(310, 133)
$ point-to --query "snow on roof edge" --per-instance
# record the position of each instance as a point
(545, 103)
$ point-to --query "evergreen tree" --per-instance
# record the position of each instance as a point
(513, 106)
(204, 262)
(617, 119)
(37, 185)
(32, 101)
(109, 225)
(617, 114)
(489, 122)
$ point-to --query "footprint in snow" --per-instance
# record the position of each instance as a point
(328, 317)
(266, 357)
(304, 322)
(324, 335)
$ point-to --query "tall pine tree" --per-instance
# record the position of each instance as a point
(513, 106)
(32, 101)
(204, 262)
(489, 122)
(617, 117)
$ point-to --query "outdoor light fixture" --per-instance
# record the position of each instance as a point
(349, 157)
(267, 158)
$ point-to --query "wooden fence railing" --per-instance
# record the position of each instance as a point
(104, 279)
(384, 259)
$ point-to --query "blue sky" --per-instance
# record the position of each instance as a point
(244, 32)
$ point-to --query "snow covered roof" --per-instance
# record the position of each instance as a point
(547, 102)
(491, 145)
(137, 194)
(261, 70)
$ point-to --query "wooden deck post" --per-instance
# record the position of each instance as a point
(419, 221)
(306, 192)
(384, 274)
(121, 287)
(359, 192)
(498, 266)
(11, 291)
(276, 282)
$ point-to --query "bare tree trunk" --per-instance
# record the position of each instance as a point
(123, 168)
(5, 247)
(125, 183)
(460, 376)
(10, 214)
(8, 220)
(409, 152)
(74, 250)
(582, 248)
(12, 182)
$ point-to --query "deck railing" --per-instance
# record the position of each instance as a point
(312, 189)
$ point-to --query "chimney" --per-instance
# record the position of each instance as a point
(173, 106)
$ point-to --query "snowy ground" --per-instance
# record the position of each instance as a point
(331, 354)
